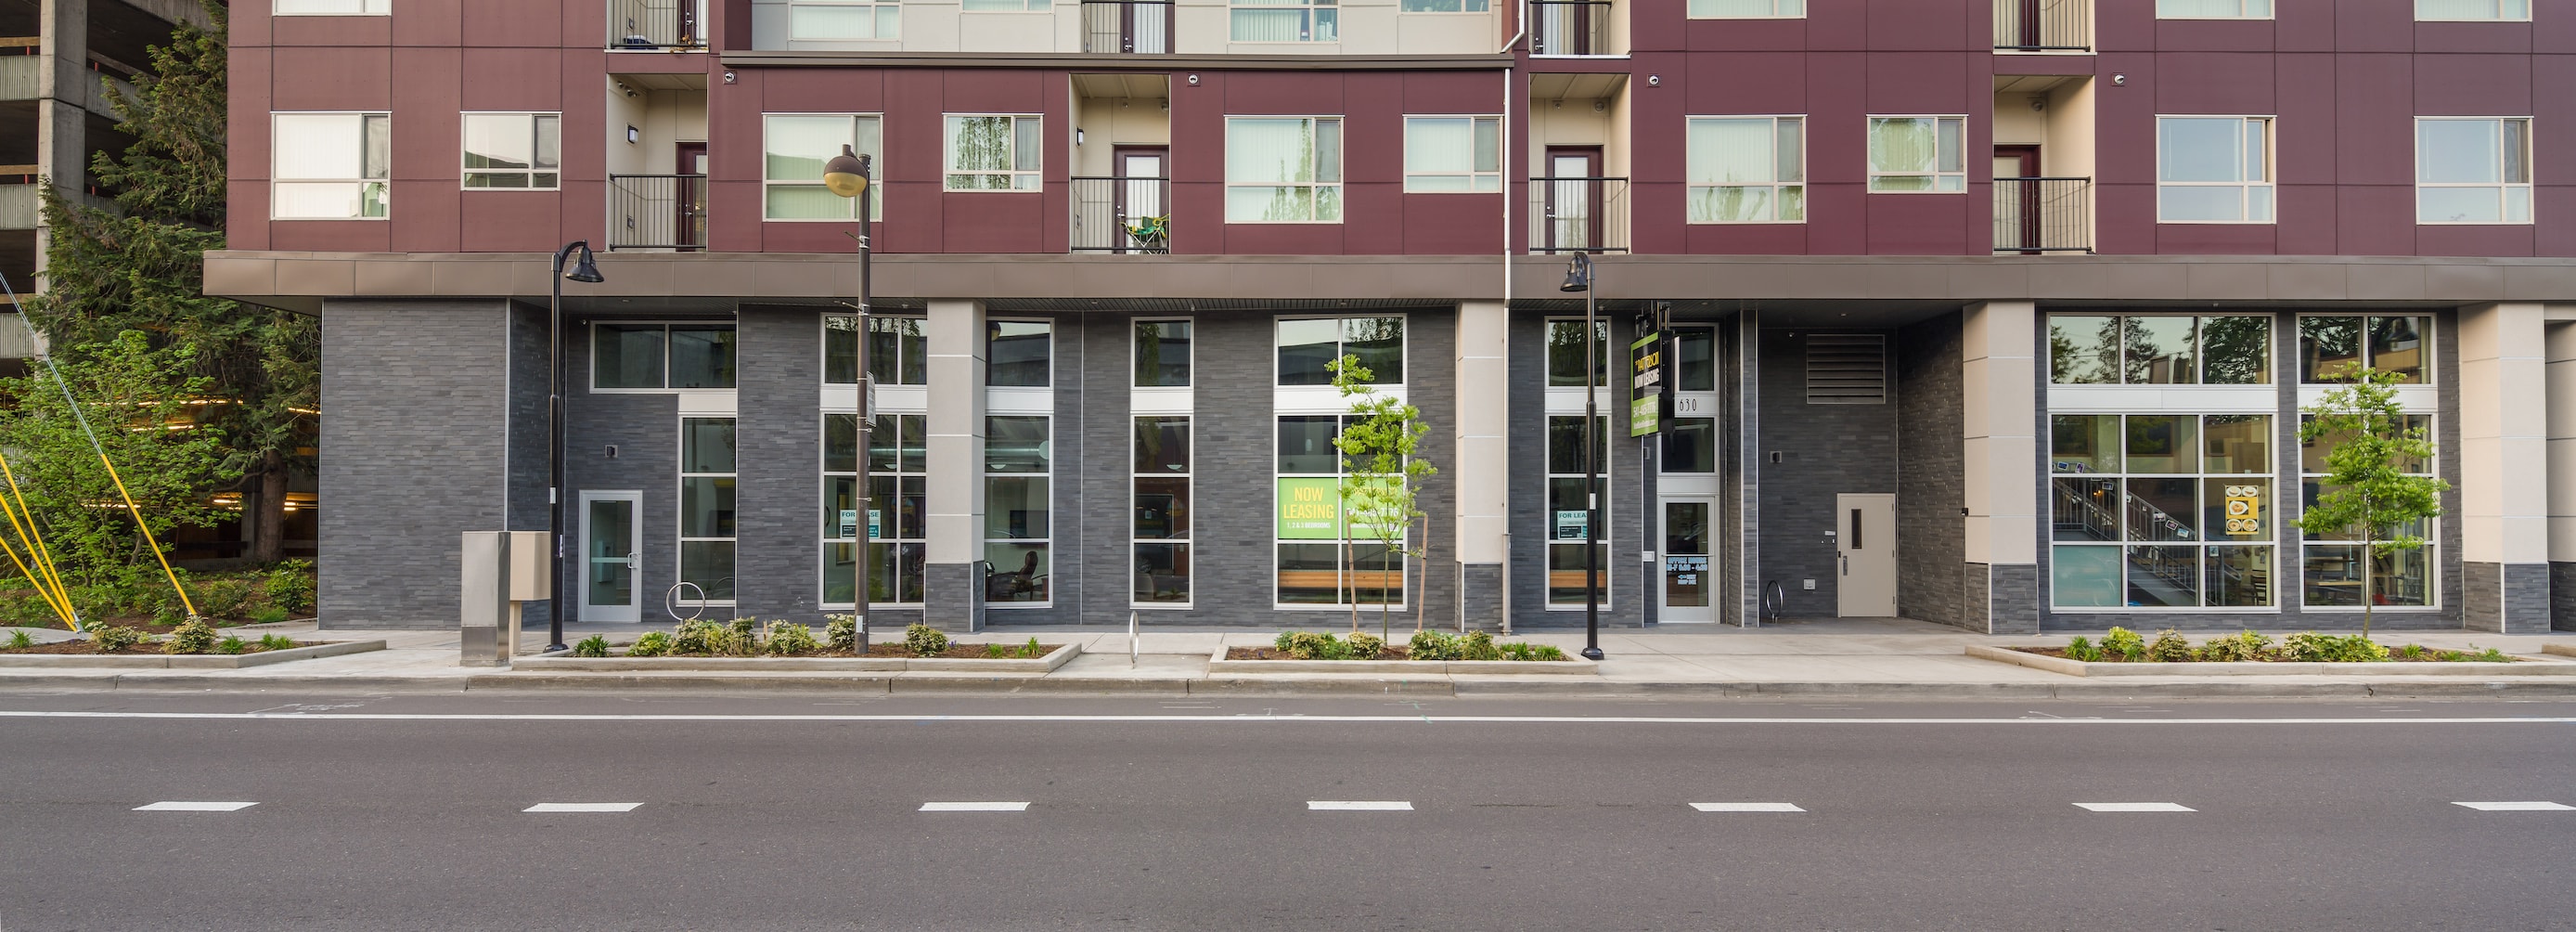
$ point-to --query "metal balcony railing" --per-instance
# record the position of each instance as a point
(1131, 215)
(657, 24)
(2044, 25)
(657, 212)
(1578, 215)
(2043, 214)
(1127, 27)
(1570, 27)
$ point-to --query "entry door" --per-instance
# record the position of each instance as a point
(1573, 199)
(1690, 581)
(1865, 549)
(691, 159)
(612, 544)
(2016, 202)
(1139, 192)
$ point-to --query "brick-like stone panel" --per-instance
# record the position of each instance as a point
(645, 429)
(778, 435)
(1623, 490)
(2562, 596)
(1931, 490)
(1828, 450)
(2526, 598)
(530, 361)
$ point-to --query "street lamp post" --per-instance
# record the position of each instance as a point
(583, 270)
(1578, 277)
(847, 175)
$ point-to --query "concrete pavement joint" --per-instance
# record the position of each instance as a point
(1266, 718)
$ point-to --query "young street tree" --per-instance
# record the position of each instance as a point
(1383, 476)
(2368, 490)
(141, 267)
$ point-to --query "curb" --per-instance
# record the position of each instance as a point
(2388, 670)
(185, 661)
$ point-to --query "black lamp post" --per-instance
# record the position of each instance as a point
(847, 175)
(583, 270)
(1578, 277)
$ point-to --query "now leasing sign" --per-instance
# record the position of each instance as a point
(1646, 385)
(1313, 509)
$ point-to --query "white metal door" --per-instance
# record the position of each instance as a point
(1690, 581)
(612, 546)
(1865, 555)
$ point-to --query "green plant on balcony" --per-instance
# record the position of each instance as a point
(1152, 234)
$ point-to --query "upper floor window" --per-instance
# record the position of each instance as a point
(827, 20)
(1444, 6)
(1285, 21)
(1283, 170)
(794, 148)
(513, 150)
(1006, 6)
(2159, 349)
(652, 357)
(993, 153)
(2473, 9)
(330, 166)
(1453, 154)
(1747, 170)
(1918, 154)
(334, 7)
(2213, 9)
(2473, 170)
(1746, 9)
(1309, 345)
(2213, 169)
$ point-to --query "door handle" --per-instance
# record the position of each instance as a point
(1846, 562)
(634, 562)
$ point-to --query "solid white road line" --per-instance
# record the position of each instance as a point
(582, 807)
(1359, 805)
(2519, 806)
(1257, 719)
(186, 806)
(2137, 807)
(975, 807)
(1747, 807)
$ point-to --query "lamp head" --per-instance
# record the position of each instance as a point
(847, 173)
(583, 269)
(1578, 274)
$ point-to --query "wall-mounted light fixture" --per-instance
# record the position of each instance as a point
(1077, 135)
(728, 76)
(1654, 80)
(2119, 79)
(1194, 80)
(634, 135)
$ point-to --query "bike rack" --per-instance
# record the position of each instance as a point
(1774, 597)
(671, 601)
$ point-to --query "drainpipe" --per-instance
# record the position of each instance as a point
(1520, 28)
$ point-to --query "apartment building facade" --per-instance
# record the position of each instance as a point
(1996, 313)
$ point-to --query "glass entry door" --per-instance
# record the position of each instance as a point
(1690, 580)
(612, 543)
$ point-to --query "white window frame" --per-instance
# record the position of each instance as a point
(877, 168)
(1315, 19)
(1777, 184)
(1567, 402)
(1022, 180)
(1046, 544)
(875, 16)
(680, 506)
(382, 185)
(2269, 183)
(538, 165)
(859, 543)
(1318, 401)
(2504, 190)
(2502, 7)
(896, 378)
(1188, 537)
(349, 8)
(591, 347)
(2276, 521)
(1777, 6)
(1005, 6)
(2431, 551)
(1480, 180)
(1476, 7)
(1193, 361)
(2241, 11)
(892, 520)
(1958, 179)
(1315, 186)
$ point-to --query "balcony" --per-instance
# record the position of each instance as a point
(668, 25)
(1127, 27)
(1570, 28)
(1122, 215)
(664, 212)
(2044, 25)
(1578, 215)
(2037, 215)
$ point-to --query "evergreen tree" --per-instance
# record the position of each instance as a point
(141, 267)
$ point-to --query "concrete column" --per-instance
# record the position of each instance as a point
(2504, 455)
(952, 582)
(2561, 395)
(62, 143)
(1483, 462)
(1999, 392)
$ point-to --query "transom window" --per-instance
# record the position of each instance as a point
(513, 150)
(2331, 348)
(1309, 345)
(1162, 354)
(898, 350)
(2472, 9)
(1447, 155)
(1283, 169)
(1924, 154)
(330, 166)
(794, 148)
(661, 356)
(2473, 170)
(1019, 353)
(2215, 169)
(2159, 349)
(2213, 9)
(994, 153)
(1285, 21)
(2161, 511)
(1747, 170)
(1746, 9)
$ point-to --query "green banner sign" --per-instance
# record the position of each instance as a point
(1310, 509)
(1646, 385)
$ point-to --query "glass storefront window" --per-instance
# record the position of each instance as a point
(1308, 346)
(2339, 566)
(2140, 518)
(2332, 347)
(1161, 505)
(1018, 353)
(707, 505)
(2159, 349)
(1162, 354)
(898, 350)
(1565, 353)
(1016, 507)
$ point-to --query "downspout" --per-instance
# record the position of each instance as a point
(1520, 25)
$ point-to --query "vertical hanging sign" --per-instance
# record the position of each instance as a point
(1646, 386)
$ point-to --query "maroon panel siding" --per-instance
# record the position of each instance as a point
(429, 22)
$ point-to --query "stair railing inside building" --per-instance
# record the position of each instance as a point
(657, 212)
(2035, 215)
(1127, 27)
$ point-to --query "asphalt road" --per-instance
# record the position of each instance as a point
(792, 813)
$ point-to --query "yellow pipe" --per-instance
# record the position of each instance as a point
(147, 535)
(50, 585)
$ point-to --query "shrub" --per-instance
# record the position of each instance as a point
(2082, 649)
(924, 641)
(2410, 652)
(1545, 652)
(1479, 646)
(21, 639)
(742, 636)
(221, 598)
(2124, 643)
(651, 644)
(592, 646)
(2169, 647)
(2311, 647)
(696, 637)
(2234, 648)
(1032, 648)
(231, 644)
(290, 585)
(1286, 642)
(1433, 645)
(996, 651)
(113, 638)
(841, 631)
(1303, 645)
(2490, 655)
(267, 615)
(786, 640)
(275, 642)
(1366, 646)
(193, 637)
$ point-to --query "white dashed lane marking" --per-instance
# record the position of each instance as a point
(2532, 805)
(583, 807)
(2136, 807)
(1747, 807)
(1359, 805)
(975, 807)
(187, 806)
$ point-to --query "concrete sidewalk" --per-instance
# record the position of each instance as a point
(1863, 659)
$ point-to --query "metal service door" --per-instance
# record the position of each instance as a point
(1690, 583)
(1865, 555)
(612, 544)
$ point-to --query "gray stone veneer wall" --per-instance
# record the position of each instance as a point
(1827, 450)
(2562, 596)
(645, 429)
(1622, 488)
(528, 503)
(778, 434)
(1931, 480)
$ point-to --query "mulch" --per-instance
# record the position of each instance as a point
(2060, 653)
(1273, 653)
(896, 649)
(145, 648)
